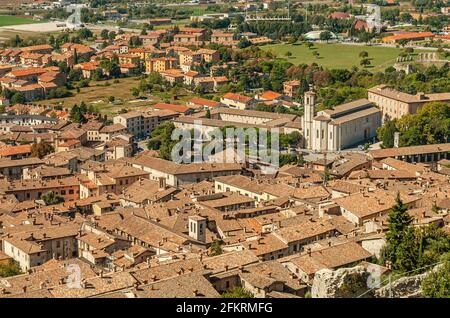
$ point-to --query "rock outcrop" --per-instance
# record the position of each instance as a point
(357, 282)
(404, 287)
(341, 283)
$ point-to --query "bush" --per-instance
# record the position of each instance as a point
(238, 292)
(10, 269)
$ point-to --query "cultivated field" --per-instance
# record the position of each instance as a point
(7, 20)
(336, 55)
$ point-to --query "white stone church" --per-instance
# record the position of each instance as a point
(340, 127)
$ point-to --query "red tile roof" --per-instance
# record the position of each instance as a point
(204, 102)
(269, 95)
(237, 97)
(15, 150)
(176, 108)
(408, 36)
(27, 71)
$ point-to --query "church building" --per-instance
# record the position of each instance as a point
(340, 127)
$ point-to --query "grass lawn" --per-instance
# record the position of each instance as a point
(336, 55)
(7, 20)
(97, 95)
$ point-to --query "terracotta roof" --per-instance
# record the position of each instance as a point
(409, 151)
(204, 102)
(15, 150)
(269, 95)
(237, 97)
(340, 15)
(330, 257)
(408, 36)
(173, 107)
(27, 72)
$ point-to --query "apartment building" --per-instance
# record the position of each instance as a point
(395, 104)
(140, 124)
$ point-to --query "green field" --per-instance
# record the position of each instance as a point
(7, 20)
(336, 55)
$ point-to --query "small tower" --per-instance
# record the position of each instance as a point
(197, 228)
(309, 109)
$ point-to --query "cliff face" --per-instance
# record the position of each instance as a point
(358, 282)
(341, 283)
(405, 287)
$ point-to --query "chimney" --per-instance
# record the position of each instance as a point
(162, 183)
(421, 95)
(24, 288)
(309, 251)
(195, 292)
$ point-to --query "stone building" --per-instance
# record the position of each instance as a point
(340, 127)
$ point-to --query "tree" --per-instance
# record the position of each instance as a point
(41, 149)
(309, 45)
(237, 292)
(154, 143)
(17, 98)
(10, 269)
(75, 75)
(51, 198)
(104, 34)
(288, 53)
(363, 54)
(208, 113)
(398, 231)
(364, 62)
(243, 43)
(216, 248)
(386, 134)
(135, 91)
(365, 37)
(325, 36)
(84, 33)
(77, 113)
(430, 125)
(403, 42)
(163, 133)
(437, 283)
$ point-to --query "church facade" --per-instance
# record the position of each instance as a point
(340, 127)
